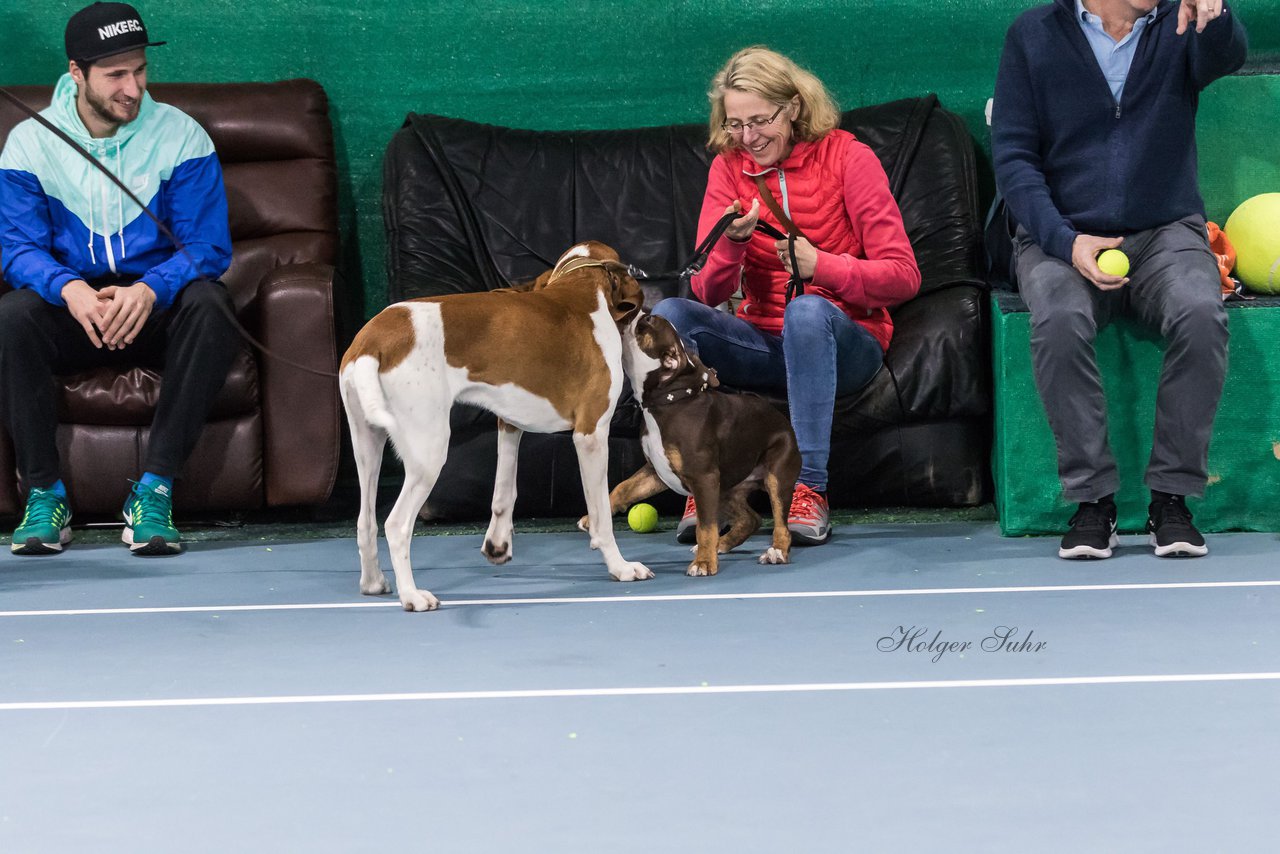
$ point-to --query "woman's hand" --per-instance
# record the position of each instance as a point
(740, 229)
(806, 257)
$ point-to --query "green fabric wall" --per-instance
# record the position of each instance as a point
(1237, 143)
(551, 65)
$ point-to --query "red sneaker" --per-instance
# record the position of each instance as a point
(687, 530)
(809, 520)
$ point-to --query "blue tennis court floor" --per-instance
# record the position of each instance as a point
(920, 687)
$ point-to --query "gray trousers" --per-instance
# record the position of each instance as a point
(1174, 289)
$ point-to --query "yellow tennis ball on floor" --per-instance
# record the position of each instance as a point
(642, 518)
(1113, 262)
(1254, 231)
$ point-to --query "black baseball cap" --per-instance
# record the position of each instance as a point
(105, 29)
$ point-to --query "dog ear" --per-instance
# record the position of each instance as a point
(673, 362)
(625, 295)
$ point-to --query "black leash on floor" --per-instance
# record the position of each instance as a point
(164, 229)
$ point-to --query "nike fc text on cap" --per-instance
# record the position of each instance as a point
(105, 29)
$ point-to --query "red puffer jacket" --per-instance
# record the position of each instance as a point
(836, 192)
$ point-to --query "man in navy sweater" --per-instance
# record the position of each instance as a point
(1093, 139)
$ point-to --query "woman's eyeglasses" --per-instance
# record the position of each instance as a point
(733, 127)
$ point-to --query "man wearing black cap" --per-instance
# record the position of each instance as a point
(97, 282)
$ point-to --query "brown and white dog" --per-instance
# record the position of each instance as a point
(544, 358)
(717, 447)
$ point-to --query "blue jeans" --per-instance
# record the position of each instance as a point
(820, 354)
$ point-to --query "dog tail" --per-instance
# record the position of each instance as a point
(361, 377)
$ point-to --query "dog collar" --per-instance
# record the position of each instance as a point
(574, 264)
(676, 389)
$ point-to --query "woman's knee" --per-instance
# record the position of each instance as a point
(810, 307)
(684, 314)
(809, 314)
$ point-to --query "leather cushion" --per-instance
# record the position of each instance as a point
(107, 396)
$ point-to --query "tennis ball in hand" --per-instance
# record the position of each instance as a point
(642, 518)
(1113, 262)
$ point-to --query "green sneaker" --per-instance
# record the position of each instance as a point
(148, 521)
(45, 527)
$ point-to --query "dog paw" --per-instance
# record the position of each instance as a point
(419, 600)
(772, 555)
(497, 553)
(632, 571)
(702, 568)
(374, 585)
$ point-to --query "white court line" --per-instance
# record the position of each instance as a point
(672, 690)
(672, 597)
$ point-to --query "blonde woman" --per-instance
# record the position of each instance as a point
(773, 127)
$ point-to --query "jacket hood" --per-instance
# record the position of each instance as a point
(62, 112)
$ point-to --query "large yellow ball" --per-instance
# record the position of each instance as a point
(1254, 231)
(642, 518)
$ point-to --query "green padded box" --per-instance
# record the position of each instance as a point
(1244, 458)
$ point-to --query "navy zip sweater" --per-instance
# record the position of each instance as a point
(1068, 159)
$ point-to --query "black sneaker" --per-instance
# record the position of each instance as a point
(1093, 531)
(1169, 524)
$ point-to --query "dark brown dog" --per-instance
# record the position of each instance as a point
(715, 446)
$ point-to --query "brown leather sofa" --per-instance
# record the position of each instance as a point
(273, 437)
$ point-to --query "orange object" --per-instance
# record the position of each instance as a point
(1226, 255)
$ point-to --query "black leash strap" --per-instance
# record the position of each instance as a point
(703, 250)
(164, 229)
(795, 284)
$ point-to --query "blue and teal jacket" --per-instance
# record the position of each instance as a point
(61, 219)
(1071, 160)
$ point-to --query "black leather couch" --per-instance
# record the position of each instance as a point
(470, 206)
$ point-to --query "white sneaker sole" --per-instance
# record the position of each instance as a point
(687, 533)
(1178, 549)
(807, 537)
(155, 546)
(34, 546)
(1089, 552)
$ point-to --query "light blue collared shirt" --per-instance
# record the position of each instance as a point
(1114, 57)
